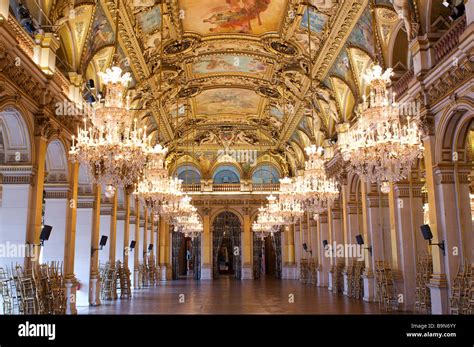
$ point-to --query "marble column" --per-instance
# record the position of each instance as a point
(206, 246)
(247, 269)
(70, 241)
(152, 237)
(126, 229)
(403, 261)
(325, 259)
(113, 236)
(136, 253)
(437, 184)
(94, 275)
(157, 246)
(36, 197)
(370, 221)
(145, 237)
(164, 231)
(332, 247)
(289, 270)
(337, 238)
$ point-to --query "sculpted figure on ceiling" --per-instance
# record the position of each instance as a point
(325, 6)
(407, 14)
(327, 102)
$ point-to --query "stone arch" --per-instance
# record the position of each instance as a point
(260, 166)
(452, 125)
(234, 169)
(219, 228)
(226, 209)
(16, 137)
(56, 162)
(398, 44)
(188, 173)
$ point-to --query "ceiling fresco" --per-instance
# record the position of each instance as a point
(227, 101)
(231, 16)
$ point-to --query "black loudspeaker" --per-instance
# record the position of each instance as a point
(305, 246)
(150, 247)
(132, 244)
(325, 243)
(45, 232)
(359, 239)
(103, 241)
(426, 231)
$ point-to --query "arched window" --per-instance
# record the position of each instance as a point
(265, 174)
(188, 174)
(226, 174)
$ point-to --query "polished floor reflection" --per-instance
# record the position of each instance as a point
(230, 296)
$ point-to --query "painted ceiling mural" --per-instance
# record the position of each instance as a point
(239, 66)
(227, 101)
(228, 64)
(231, 16)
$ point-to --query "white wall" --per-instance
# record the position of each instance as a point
(55, 215)
(131, 253)
(13, 222)
(119, 244)
(83, 254)
(104, 230)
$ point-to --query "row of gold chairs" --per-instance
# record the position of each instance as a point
(355, 286)
(462, 296)
(424, 270)
(115, 281)
(308, 270)
(37, 290)
(385, 286)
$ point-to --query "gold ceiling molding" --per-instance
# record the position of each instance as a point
(346, 18)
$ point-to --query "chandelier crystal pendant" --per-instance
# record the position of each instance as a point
(155, 184)
(113, 148)
(386, 139)
(319, 191)
(190, 225)
(289, 206)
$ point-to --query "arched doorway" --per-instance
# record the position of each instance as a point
(186, 256)
(267, 260)
(226, 245)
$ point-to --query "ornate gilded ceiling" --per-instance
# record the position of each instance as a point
(234, 72)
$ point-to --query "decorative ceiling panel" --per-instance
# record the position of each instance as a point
(209, 17)
(231, 101)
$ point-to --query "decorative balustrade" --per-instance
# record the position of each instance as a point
(192, 187)
(226, 187)
(265, 187)
(401, 86)
(450, 39)
(231, 187)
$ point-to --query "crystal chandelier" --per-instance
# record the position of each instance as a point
(174, 209)
(319, 191)
(156, 185)
(190, 225)
(289, 206)
(259, 230)
(386, 140)
(113, 148)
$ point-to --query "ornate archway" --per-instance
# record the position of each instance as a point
(186, 256)
(226, 245)
(267, 256)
